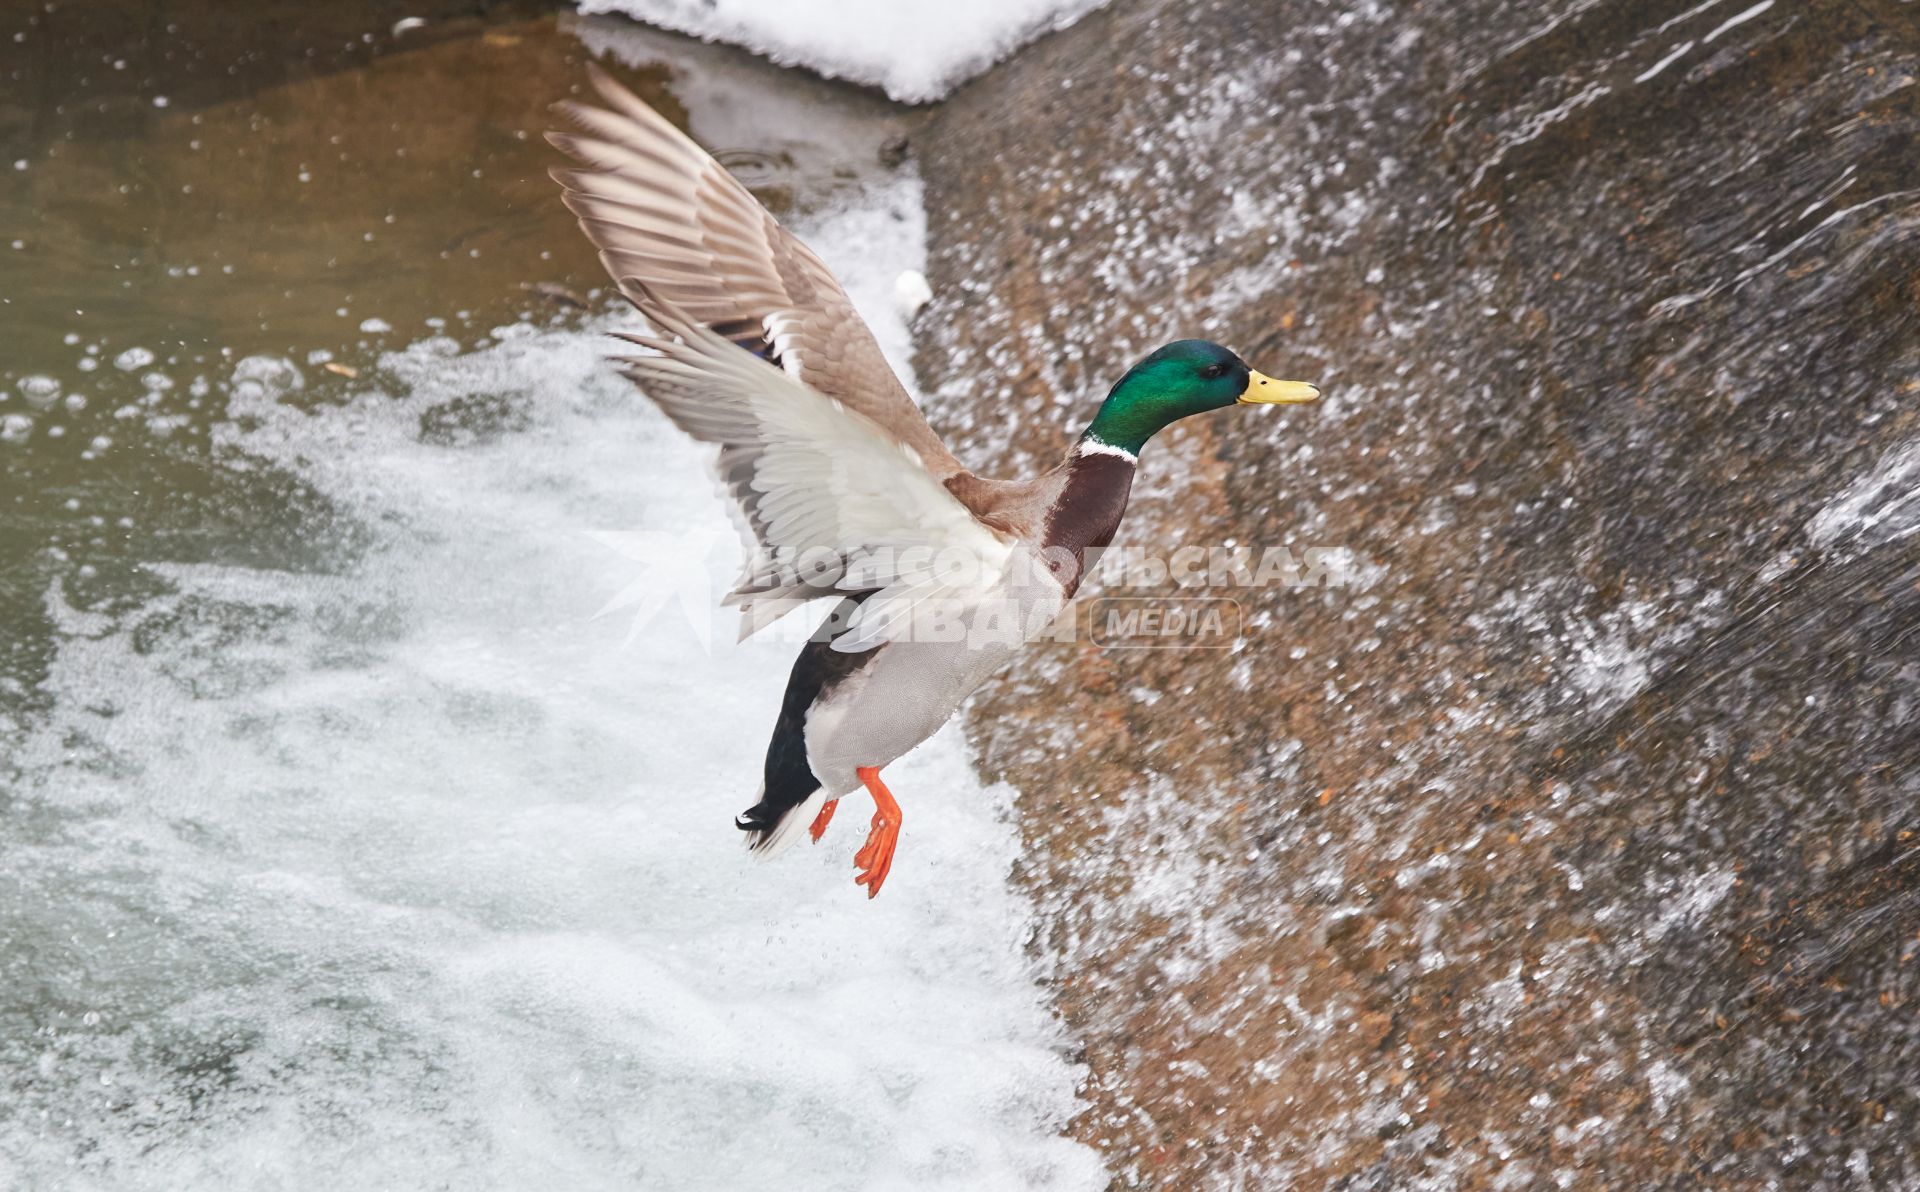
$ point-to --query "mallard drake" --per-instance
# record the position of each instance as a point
(938, 575)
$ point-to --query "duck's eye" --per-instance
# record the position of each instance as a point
(1214, 371)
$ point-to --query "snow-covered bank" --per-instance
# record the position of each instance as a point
(408, 874)
(917, 50)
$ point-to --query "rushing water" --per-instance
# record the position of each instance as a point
(345, 846)
(1581, 847)
(1574, 847)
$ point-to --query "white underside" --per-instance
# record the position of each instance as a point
(913, 687)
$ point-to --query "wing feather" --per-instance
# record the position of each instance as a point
(833, 502)
(669, 218)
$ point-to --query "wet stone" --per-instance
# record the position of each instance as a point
(1579, 846)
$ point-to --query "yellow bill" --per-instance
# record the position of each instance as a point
(1263, 390)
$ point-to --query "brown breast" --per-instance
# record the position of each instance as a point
(1086, 514)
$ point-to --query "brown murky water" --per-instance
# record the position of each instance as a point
(319, 183)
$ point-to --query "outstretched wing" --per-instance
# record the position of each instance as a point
(834, 503)
(665, 214)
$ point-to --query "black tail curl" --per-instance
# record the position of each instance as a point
(789, 780)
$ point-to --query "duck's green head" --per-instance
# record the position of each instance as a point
(1188, 376)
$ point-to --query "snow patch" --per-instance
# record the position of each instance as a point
(916, 52)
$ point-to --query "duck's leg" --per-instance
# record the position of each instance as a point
(821, 821)
(876, 859)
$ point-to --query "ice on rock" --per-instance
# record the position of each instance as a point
(916, 52)
(1878, 508)
(912, 292)
(398, 870)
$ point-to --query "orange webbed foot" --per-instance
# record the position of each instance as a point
(821, 821)
(875, 861)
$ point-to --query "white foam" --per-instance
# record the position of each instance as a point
(394, 869)
(1880, 507)
(916, 52)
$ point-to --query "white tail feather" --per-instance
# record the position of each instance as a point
(792, 826)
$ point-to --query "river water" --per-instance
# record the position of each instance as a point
(346, 846)
(347, 843)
